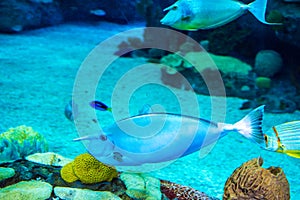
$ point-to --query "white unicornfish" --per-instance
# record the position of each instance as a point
(161, 137)
(205, 14)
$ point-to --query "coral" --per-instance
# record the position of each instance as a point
(294, 75)
(201, 60)
(48, 158)
(251, 181)
(263, 82)
(88, 170)
(234, 34)
(180, 192)
(275, 16)
(147, 9)
(19, 142)
(141, 186)
(174, 63)
(68, 174)
(267, 63)
(229, 65)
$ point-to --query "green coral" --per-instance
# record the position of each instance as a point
(201, 61)
(88, 170)
(275, 16)
(263, 82)
(174, 63)
(231, 66)
(19, 142)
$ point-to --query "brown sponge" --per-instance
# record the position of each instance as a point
(251, 181)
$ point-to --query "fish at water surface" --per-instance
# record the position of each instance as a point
(205, 14)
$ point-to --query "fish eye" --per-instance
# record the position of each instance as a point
(174, 7)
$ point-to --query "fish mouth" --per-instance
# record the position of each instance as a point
(163, 21)
(166, 21)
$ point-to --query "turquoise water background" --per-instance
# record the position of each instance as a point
(37, 73)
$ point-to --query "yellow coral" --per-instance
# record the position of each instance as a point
(67, 173)
(88, 170)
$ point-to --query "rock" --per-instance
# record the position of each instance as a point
(79, 194)
(49, 158)
(289, 33)
(115, 11)
(6, 172)
(141, 186)
(267, 63)
(33, 190)
(26, 170)
(16, 16)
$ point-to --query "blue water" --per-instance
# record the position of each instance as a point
(38, 69)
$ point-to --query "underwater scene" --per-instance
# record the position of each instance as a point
(149, 99)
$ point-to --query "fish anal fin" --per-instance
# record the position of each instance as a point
(292, 153)
(204, 151)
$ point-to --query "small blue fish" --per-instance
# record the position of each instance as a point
(205, 14)
(70, 110)
(100, 106)
(160, 137)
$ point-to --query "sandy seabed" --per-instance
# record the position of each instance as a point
(38, 69)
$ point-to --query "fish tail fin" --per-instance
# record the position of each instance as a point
(287, 136)
(251, 126)
(258, 9)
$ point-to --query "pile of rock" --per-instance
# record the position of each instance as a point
(19, 15)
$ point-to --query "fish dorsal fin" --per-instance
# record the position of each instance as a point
(169, 8)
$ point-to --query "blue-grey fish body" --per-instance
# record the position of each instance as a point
(69, 112)
(206, 14)
(161, 137)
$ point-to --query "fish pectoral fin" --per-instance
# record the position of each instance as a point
(185, 18)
